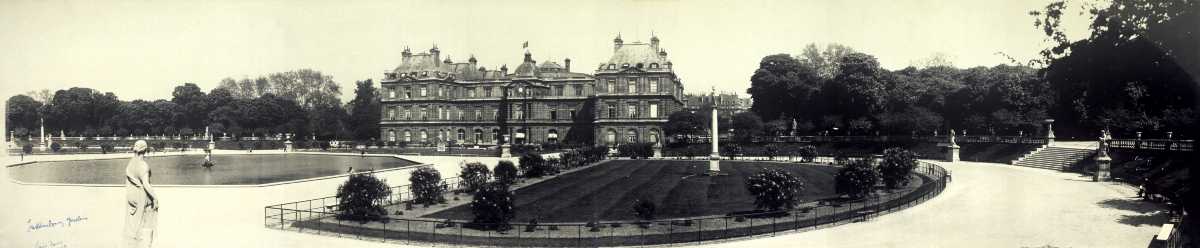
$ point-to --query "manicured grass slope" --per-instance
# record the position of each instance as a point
(608, 191)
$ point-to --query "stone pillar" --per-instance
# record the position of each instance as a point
(714, 163)
(952, 149)
(1049, 132)
(1103, 162)
(657, 150)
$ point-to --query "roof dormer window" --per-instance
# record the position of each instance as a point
(625, 65)
(612, 66)
(640, 65)
(653, 65)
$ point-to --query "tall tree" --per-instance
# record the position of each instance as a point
(23, 112)
(365, 110)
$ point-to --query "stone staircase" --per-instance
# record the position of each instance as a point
(1053, 158)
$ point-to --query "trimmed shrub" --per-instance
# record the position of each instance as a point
(505, 172)
(493, 207)
(553, 166)
(896, 165)
(55, 147)
(27, 148)
(360, 198)
(159, 146)
(636, 150)
(474, 175)
(533, 165)
(857, 179)
(83, 146)
(774, 189)
(426, 186)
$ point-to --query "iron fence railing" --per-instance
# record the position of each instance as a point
(1153, 144)
(318, 216)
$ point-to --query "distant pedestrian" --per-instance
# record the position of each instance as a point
(141, 215)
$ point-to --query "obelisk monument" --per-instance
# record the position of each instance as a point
(714, 162)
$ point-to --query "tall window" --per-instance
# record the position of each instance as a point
(391, 92)
(392, 135)
(611, 137)
(424, 91)
(407, 92)
(612, 86)
(407, 136)
(612, 111)
(631, 136)
(424, 136)
(441, 90)
(553, 115)
(471, 92)
(391, 113)
(558, 90)
(572, 114)
(631, 110)
(487, 91)
(407, 114)
(462, 134)
(424, 113)
(518, 113)
(478, 136)
(653, 110)
(578, 90)
(632, 86)
(478, 115)
(653, 85)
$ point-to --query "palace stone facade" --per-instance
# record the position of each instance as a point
(427, 99)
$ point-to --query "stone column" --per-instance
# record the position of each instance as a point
(657, 150)
(952, 149)
(714, 163)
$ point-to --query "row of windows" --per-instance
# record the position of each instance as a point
(461, 135)
(632, 110)
(473, 92)
(638, 65)
(633, 86)
(631, 136)
(442, 113)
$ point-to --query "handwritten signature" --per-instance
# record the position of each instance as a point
(49, 244)
(55, 223)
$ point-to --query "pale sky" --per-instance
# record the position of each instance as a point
(143, 49)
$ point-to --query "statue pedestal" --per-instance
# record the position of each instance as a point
(287, 146)
(952, 153)
(1103, 169)
(657, 150)
(212, 145)
(505, 151)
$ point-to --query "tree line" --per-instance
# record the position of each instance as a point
(840, 91)
(301, 102)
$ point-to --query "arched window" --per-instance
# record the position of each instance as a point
(478, 136)
(653, 137)
(407, 136)
(611, 137)
(631, 136)
(424, 136)
(495, 135)
(640, 65)
(392, 135)
(653, 65)
(612, 66)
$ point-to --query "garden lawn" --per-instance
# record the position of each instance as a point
(608, 191)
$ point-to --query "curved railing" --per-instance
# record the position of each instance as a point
(317, 216)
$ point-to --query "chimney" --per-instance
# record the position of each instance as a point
(503, 70)
(567, 64)
(436, 53)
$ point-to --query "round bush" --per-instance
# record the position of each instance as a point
(55, 147)
(27, 148)
(493, 207)
(506, 172)
(856, 180)
(533, 165)
(774, 189)
(896, 165)
(426, 186)
(474, 175)
(361, 197)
